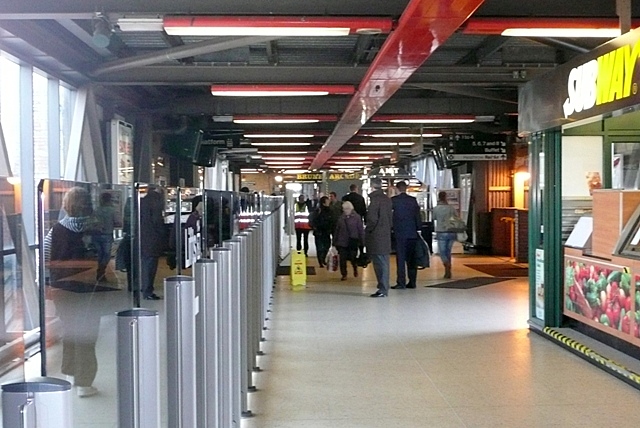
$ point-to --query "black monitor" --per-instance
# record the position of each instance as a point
(203, 154)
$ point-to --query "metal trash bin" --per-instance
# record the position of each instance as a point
(45, 402)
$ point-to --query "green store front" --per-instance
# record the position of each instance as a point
(582, 124)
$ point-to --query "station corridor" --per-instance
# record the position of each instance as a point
(429, 357)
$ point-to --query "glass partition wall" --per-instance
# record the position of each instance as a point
(85, 231)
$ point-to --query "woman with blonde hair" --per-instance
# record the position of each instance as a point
(348, 237)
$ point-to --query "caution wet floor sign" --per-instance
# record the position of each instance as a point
(298, 270)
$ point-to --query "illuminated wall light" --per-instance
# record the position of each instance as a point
(279, 144)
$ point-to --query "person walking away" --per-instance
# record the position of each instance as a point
(348, 237)
(378, 235)
(153, 240)
(442, 212)
(301, 224)
(336, 208)
(107, 218)
(406, 224)
(356, 200)
(322, 228)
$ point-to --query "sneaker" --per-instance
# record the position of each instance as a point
(86, 391)
(152, 297)
(378, 294)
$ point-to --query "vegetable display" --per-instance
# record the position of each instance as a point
(603, 295)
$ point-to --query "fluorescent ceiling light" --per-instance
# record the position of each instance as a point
(257, 31)
(282, 158)
(278, 135)
(402, 135)
(269, 93)
(282, 153)
(140, 24)
(351, 166)
(443, 120)
(278, 26)
(352, 162)
(369, 143)
(280, 90)
(274, 121)
(372, 152)
(246, 171)
(295, 171)
(271, 163)
(279, 144)
(608, 33)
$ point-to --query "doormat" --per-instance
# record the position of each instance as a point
(501, 269)
(286, 270)
(467, 283)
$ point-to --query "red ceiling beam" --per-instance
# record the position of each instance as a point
(487, 26)
(422, 28)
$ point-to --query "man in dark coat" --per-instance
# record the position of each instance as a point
(153, 240)
(356, 200)
(378, 235)
(406, 224)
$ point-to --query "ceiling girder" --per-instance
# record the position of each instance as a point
(179, 52)
(194, 75)
(468, 91)
(490, 45)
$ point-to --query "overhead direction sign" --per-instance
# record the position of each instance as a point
(477, 147)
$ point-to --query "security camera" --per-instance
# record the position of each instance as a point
(248, 159)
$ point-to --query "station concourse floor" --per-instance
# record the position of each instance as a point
(427, 357)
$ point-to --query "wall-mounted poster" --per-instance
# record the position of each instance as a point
(122, 159)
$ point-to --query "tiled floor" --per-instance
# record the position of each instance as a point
(429, 357)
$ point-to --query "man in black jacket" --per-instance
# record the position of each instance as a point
(356, 200)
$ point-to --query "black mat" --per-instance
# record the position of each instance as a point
(467, 283)
(80, 287)
(506, 270)
(286, 270)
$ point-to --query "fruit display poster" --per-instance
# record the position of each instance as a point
(540, 284)
(603, 294)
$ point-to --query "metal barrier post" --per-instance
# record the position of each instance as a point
(241, 268)
(42, 403)
(226, 275)
(138, 368)
(181, 310)
(207, 349)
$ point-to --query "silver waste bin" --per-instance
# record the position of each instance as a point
(42, 403)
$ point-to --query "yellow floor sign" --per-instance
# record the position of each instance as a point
(298, 270)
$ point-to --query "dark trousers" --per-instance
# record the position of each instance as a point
(347, 255)
(302, 233)
(405, 255)
(323, 243)
(148, 274)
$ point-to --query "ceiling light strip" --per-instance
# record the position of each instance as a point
(280, 90)
(316, 26)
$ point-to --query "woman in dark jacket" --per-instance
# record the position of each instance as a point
(348, 237)
(322, 224)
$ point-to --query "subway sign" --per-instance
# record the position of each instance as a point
(608, 78)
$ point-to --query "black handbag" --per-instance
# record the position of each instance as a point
(421, 253)
(363, 260)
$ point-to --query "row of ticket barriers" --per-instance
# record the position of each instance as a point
(214, 326)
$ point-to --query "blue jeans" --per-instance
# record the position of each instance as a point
(148, 274)
(445, 242)
(103, 245)
(381, 268)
